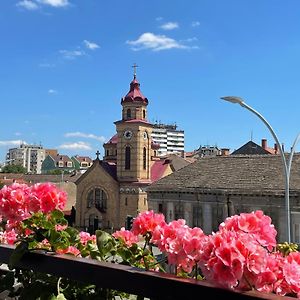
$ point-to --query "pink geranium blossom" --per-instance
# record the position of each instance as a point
(85, 237)
(19, 201)
(70, 250)
(146, 222)
(126, 236)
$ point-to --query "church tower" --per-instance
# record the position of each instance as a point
(134, 137)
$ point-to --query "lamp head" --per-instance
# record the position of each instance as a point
(233, 99)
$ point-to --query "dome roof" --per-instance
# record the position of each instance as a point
(135, 94)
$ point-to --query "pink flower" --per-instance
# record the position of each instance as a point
(49, 196)
(146, 222)
(8, 237)
(59, 227)
(70, 250)
(126, 236)
(255, 223)
(85, 237)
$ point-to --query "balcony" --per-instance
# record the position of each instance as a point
(153, 285)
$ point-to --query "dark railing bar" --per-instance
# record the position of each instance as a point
(127, 279)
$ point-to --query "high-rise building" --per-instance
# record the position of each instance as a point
(28, 156)
(169, 138)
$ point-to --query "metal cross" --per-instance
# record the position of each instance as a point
(97, 153)
(134, 70)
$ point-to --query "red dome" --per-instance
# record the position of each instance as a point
(134, 94)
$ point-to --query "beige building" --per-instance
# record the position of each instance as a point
(114, 188)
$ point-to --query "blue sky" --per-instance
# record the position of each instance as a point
(65, 64)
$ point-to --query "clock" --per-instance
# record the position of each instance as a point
(145, 135)
(128, 134)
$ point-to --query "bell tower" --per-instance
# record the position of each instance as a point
(134, 136)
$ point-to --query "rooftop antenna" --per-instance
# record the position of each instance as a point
(251, 136)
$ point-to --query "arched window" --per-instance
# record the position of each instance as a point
(144, 114)
(144, 158)
(97, 198)
(127, 158)
(128, 115)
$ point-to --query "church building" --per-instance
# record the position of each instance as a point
(114, 188)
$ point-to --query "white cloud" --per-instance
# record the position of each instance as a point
(51, 91)
(76, 146)
(27, 4)
(11, 143)
(195, 24)
(55, 3)
(91, 45)
(72, 54)
(85, 135)
(154, 42)
(169, 26)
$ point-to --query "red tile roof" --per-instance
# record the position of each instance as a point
(113, 140)
(134, 94)
(158, 169)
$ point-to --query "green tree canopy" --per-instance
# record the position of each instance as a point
(13, 169)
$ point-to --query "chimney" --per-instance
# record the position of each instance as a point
(276, 148)
(224, 151)
(264, 144)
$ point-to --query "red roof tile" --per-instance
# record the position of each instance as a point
(134, 93)
(113, 140)
(158, 169)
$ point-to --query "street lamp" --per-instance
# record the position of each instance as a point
(286, 165)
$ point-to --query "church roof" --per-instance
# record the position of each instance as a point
(113, 139)
(134, 94)
(240, 173)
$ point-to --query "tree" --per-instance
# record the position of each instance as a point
(13, 169)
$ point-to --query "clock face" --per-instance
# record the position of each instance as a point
(128, 134)
(145, 135)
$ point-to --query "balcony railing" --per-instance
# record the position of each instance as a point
(153, 285)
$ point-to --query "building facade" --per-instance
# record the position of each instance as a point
(207, 191)
(169, 138)
(114, 188)
(62, 163)
(30, 157)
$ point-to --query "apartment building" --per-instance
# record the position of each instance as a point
(28, 156)
(169, 138)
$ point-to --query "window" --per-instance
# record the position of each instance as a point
(144, 158)
(126, 203)
(128, 114)
(107, 153)
(127, 158)
(178, 211)
(160, 208)
(97, 198)
(197, 215)
(144, 114)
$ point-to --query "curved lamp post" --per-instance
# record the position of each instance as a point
(286, 165)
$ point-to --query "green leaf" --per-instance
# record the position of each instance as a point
(17, 254)
(57, 214)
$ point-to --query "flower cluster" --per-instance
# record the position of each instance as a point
(241, 255)
(19, 201)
